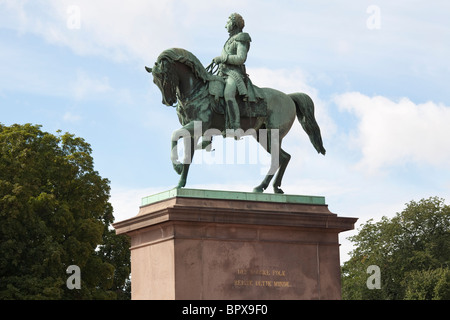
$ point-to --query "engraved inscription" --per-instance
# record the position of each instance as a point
(264, 277)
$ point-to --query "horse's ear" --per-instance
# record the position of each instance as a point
(149, 70)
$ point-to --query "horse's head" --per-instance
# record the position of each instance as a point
(166, 80)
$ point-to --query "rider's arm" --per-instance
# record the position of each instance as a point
(240, 56)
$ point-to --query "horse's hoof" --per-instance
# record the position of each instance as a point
(181, 184)
(178, 168)
(206, 145)
(258, 189)
(277, 190)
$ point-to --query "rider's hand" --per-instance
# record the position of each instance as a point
(217, 60)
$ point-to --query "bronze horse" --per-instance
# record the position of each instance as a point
(182, 78)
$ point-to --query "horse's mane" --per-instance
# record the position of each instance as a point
(187, 58)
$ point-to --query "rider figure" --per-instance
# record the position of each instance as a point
(232, 68)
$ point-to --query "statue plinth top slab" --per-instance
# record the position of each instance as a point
(232, 195)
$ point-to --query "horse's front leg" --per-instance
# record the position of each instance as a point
(182, 168)
(189, 149)
(177, 166)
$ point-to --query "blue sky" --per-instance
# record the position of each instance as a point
(378, 72)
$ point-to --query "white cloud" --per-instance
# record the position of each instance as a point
(140, 30)
(70, 117)
(126, 201)
(107, 28)
(291, 81)
(393, 133)
(86, 85)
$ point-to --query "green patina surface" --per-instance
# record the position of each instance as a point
(232, 195)
(202, 96)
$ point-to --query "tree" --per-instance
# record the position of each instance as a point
(412, 251)
(54, 213)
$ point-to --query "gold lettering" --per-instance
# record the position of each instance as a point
(279, 273)
(260, 272)
(281, 284)
(241, 271)
(264, 283)
(243, 282)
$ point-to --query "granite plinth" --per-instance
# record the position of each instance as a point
(207, 244)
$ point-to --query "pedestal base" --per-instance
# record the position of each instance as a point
(200, 244)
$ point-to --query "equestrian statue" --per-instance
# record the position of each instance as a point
(223, 100)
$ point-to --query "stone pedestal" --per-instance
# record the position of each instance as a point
(203, 244)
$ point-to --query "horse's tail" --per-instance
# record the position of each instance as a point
(305, 115)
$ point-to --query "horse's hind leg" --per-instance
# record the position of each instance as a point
(272, 146)
(264, 184)
(284, 161)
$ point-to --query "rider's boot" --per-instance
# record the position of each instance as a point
(233, 118)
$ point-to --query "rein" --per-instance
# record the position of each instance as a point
(199, 94)
(212, 68)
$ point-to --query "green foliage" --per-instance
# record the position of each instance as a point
(412, 250)
(428, 284)
(54, 212)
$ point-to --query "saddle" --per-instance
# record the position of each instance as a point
(252, 106)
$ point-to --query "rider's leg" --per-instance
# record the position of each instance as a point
(232, 107)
